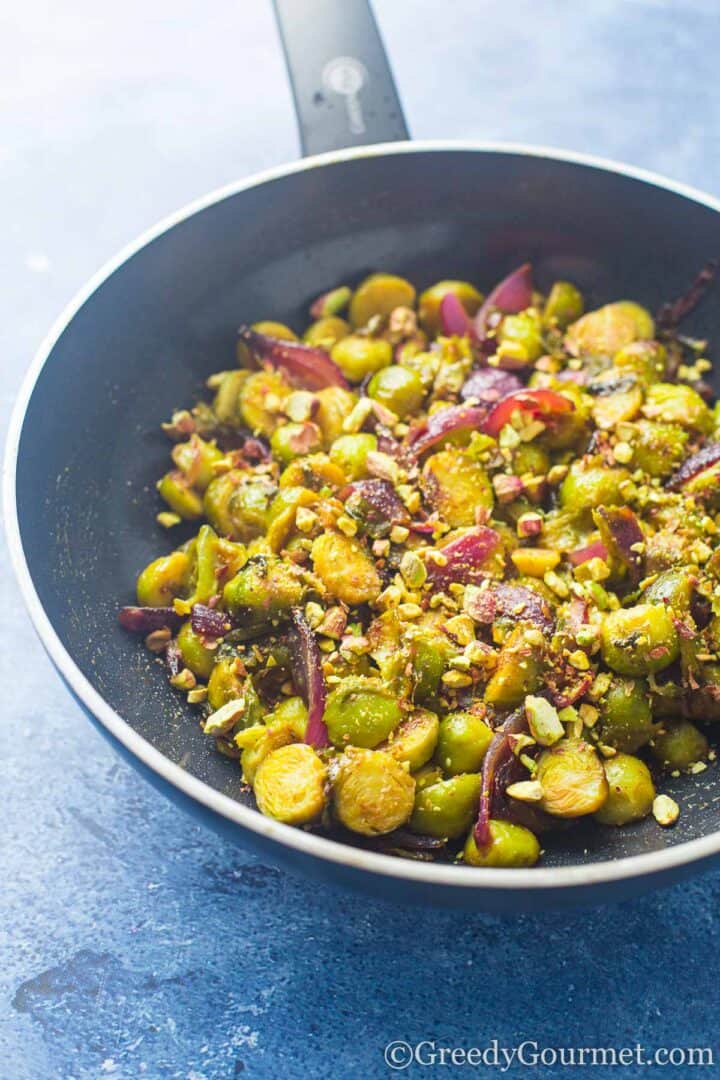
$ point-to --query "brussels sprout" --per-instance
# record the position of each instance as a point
(359, 356)
(334, 404)
(631, 791)
(227, 682)
(413, 741)
(263, 591)
(563, 306)
(379, 294)
(398, 389)
(313, 472)
(373, 793)
(275, 329)
(639, 640)
(361, 712)
(262, 397)
(429, 659)
(674, 403)
(237, 504)
(678, 745)
(195, 654)
(195, 459)
(463, 742)
(572, 779)
(626, 721)
(587, 487)
(326, 332)
(164, 579)
(510, 846)
(290, 784)
(519, 668)
(456, 485)
(608, 329)
(345, 568)
(293, 440)
(350, 452)
(448, 807)
(674, 588)
(180, 495)
(646, 359)
(658, 448)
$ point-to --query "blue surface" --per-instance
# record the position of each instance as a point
(135, 943)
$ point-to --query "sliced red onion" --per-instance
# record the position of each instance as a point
(545, 405)
(621, 532)
(464, 558)
(501, 768)
(490, 385)
(510, 601)
(513, 294)
(672, 313)
(143, 620)
(306, 366)
(572, 690)
(694, 465)
(596, 550)
(209, 622)
(449, 421)
(455, 319)
(308, 677)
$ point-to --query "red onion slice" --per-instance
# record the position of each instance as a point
(307, 367)
(210, 622)
(512, 294)
(455, 319)
(544, 405)
(464, 558)
(449, 421)
(623, 537)
(143, 620)
(308, 677)
(694, 465)
(596, 550)
(490, 385)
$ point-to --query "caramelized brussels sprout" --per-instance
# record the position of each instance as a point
(639, 640)
(678, 745)
(448, 807)
(164, 579)
(359, 356)
(572, 779)
(456, 486)
(626, 721)
(413, 741)
(290, 784)
(630, 791)
(345, 568)
(605, 331)
(398, 388)
(462, 743)
(380, 294)
(361, 712)
(373, 792)
(510, 846)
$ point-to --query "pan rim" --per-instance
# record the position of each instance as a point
(539, 879)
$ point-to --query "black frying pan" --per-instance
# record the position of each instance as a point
(84, 447)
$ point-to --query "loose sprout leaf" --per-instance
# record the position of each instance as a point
(511, 295)
(490, 385)
(455, 319)
(448, 421)
(143, 620)
(308, 677)
(694, 465)
(306, 366)
(464, 558)
(545, 405)
(673, 312)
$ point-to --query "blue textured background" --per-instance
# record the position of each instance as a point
(133, 942)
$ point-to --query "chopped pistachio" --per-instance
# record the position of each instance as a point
(665, 810)
(543, 720)
(412, 569)
(168, 519)
(223, 719)
(525, 791)
(346, 525)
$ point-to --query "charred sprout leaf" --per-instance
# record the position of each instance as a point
(143, 620)
(623, 537)
(308, 677)
(490, 385)
(210, 622)
(453, 420)
(463, 559)
(513, 294)
(305, 366)
(673, 312)
(544, 405)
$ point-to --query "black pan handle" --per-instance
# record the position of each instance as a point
(341, 79)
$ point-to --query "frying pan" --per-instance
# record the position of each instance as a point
(84, 448)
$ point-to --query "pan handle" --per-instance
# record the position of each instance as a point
(341, 79)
